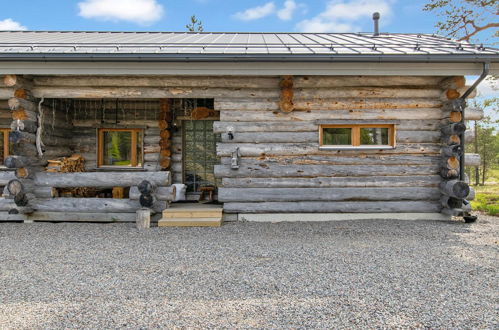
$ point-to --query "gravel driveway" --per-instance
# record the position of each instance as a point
(361, 274)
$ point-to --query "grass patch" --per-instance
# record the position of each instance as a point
(486, 203)
(487, 196)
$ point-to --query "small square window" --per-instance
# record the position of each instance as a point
(120, 147)
(357, 136)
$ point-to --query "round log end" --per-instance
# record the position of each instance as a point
(21, 199)
(15, 187)
(454, 139)
(14, 103)
(452, 94)
(165, 134)
(22, 172)
(460, 189)
(165, 153)
(15, 136)
(165, 162)
(455, 116)
(13, 162)
(145, 187)
(286, 82)
(146, 200)
(448, 174)
(286, 106)
(453, 163)
(22, 93)
(10, 80)
(454, 203)
(287, 94)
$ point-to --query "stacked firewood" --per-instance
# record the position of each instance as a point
(165, 116)
(74, 163)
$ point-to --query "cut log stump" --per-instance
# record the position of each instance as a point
(143, 219)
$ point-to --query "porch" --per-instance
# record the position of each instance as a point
(122, 141)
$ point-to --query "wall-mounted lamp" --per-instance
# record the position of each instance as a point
(230, 132)
(234, 162)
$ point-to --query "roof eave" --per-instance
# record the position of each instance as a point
(455, 58)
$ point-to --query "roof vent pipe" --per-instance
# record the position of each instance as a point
(376, 17)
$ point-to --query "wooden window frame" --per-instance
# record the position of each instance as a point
(133, 152)
(5, 132)
(356, 136)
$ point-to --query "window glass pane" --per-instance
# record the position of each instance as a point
(200, 154)
(374, 136)
(337, 136)
(117, 148)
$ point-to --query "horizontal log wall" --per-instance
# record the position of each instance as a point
(282, 168)
(281, 150)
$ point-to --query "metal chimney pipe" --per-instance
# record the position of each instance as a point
(376, 17)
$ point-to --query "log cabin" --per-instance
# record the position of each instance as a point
(264, 126)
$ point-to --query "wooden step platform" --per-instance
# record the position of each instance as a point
(192, 215)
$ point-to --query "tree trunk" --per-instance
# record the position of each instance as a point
(477, 169)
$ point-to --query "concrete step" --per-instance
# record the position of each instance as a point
(190, 222)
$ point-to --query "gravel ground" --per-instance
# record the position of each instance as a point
(359, 274)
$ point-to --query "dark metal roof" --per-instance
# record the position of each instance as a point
(245, 46)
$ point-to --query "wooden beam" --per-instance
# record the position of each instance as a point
(330, 182)
(326, 194)
(283, 149)
(278, 171)
(333, 207)
(150, 92)
(91, 205)
(101, 179)
(161, 193)
(295, 116)
(472, 159)
(157, 81)
(6, 93)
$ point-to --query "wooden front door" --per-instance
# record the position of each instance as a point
(200, 154)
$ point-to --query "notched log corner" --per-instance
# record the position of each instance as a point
(286, 98)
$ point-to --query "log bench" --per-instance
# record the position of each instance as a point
(45, 207)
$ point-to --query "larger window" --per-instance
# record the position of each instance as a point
(4, 144)
(121, 147)
(357, 136)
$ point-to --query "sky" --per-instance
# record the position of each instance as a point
(216, 15)
(397, 16)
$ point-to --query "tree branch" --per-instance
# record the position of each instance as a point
(477, 29)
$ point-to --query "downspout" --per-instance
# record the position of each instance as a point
(462, 99)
